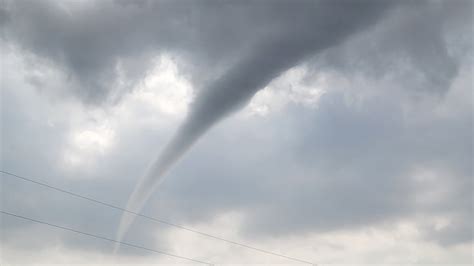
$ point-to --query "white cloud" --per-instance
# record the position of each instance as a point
(164, 89)
(292, 87)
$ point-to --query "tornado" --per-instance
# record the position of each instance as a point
(327, 25)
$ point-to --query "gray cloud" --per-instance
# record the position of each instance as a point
(348, 164)
(91, 41)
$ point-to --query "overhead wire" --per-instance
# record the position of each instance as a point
(157, 220)
(102, 237)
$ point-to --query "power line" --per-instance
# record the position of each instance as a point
(156, 219)
(102, 237)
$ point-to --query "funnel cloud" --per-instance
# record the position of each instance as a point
(323, 25)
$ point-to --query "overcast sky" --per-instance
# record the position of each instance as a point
(336, 132)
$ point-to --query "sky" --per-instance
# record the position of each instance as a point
(337, 132)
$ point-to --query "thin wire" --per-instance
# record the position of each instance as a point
(103, 238)
(157, 220)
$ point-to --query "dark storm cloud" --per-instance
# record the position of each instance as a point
(98, 44)
(95, 43)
